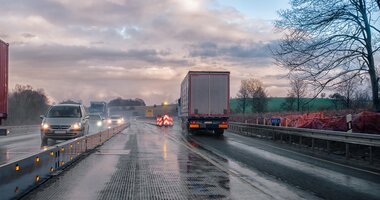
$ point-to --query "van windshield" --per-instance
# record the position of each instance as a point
(65, 111)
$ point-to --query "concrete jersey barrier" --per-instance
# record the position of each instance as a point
(21, 176)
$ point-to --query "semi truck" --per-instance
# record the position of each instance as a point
(99, 107)
(205, 101)
(3, 80)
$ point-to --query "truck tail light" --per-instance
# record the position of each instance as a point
(223, 125)
(193, 124)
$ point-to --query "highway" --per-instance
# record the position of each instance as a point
(149, 162)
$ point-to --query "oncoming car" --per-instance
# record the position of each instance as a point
(115, 119)
(95, 122)
(63, 122)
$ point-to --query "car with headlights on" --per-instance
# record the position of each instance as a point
(115, 120)
(96, 122)
(63, 122)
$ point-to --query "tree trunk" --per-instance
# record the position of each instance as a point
(298, 104)
(371, 61)
(375, 90)
(244, 103)
(348, 98)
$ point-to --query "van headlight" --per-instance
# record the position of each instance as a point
(76, 126)
(45, 126)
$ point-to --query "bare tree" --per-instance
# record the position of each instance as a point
(298, 89)
(347, 89)
(325, 40)
(289, 103)
(323, 95)
(338, 100)
(258, 95)
(260, 100)
(26, 105)
(243, 96)
(361, 100)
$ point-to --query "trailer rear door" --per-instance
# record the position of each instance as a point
(209, 93)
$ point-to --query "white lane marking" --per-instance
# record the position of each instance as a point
(113, 152)
(312, 157)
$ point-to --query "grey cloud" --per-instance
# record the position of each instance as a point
(49, 9)
(134, 19)
(206, 49)
(256, 50)
(72, 55)
(17, 43)
(279, 76)
(28, 35)
(82, 12)
(97, 42)
(277, 85)
(253, 51)
(3, 35)
(133, 34)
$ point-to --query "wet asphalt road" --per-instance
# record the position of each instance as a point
(17, 146)
(148, 162)
(323, 178)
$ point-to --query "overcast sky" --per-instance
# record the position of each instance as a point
(100, 50)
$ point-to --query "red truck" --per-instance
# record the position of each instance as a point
(3, 80)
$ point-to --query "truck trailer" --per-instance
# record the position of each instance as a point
(3, 80)
(99, 107)
(205, 101)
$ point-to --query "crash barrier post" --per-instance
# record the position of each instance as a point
(22, 175)
(349, 123)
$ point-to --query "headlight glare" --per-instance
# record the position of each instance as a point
(44, 126)
(76, 126)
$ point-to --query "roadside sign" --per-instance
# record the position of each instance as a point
(149, 112)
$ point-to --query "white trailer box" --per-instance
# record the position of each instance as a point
(205, 100)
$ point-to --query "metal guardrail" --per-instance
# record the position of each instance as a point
(20, 176)
(369, 140)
